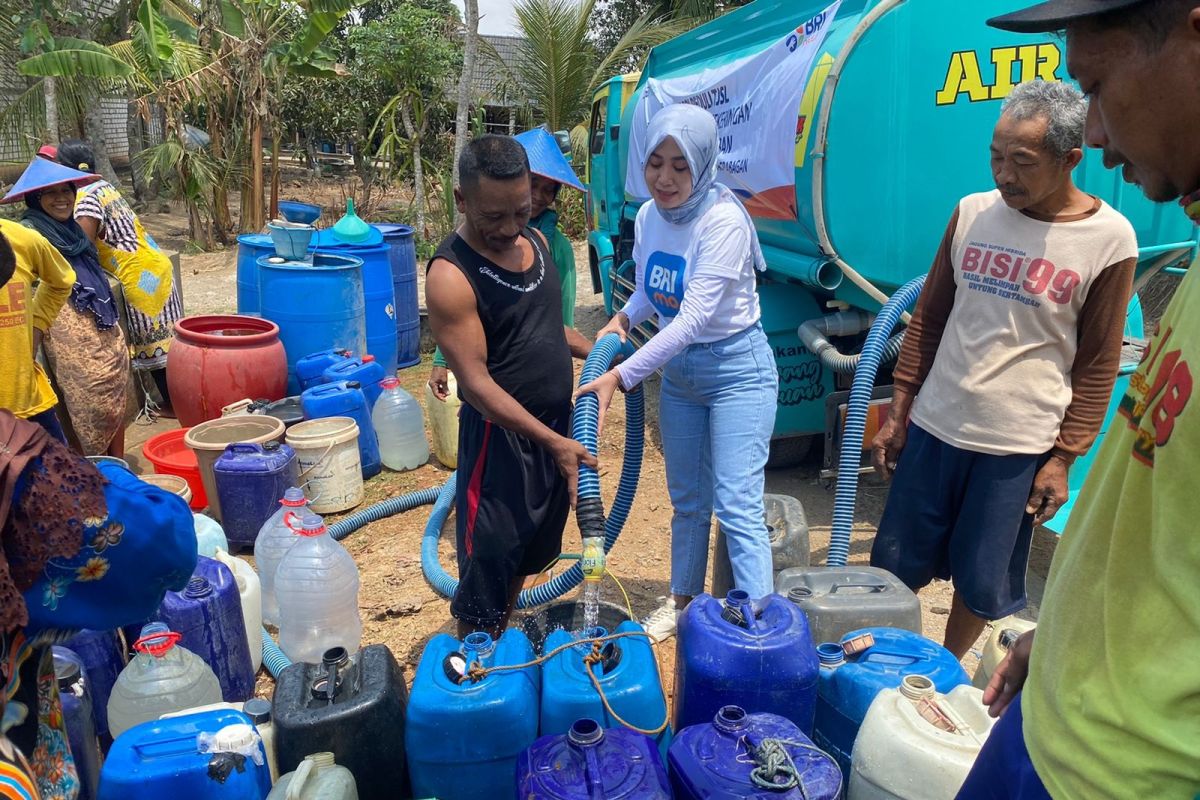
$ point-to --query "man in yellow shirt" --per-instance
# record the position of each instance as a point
(1109, 703)
(25, 315)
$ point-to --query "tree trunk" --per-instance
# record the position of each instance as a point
(50, 93)
(310, 149)
(470, 52)
(222, 219)
(414, 136)
(252, 192)
(274, 207)
(135, 131)
(93, 127)
(159, 113)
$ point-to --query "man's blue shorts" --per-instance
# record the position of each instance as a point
(1003, 769)
(959, 515)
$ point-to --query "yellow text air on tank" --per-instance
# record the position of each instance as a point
(1009, 66)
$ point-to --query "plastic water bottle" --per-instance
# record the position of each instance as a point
(400, 426)
(316, 585)
(162, 677)
(592, 564)
(276, 537)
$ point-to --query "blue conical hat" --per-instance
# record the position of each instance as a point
(546, 159)
(42, 174)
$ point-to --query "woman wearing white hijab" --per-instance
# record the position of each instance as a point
(697, 253)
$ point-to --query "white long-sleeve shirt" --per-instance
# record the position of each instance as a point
(699, 279)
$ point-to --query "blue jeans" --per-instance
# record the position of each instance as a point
(716, 416)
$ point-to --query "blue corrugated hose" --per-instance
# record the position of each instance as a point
(584, 426)
(856, 419)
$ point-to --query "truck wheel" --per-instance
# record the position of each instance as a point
(789, 452)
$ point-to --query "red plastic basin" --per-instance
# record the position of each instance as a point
(170, 456)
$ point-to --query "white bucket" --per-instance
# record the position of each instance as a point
(330, 469)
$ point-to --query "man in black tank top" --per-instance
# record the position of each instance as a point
(496, 311)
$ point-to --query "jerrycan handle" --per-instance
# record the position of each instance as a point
(244, 447)
(291, 521)
(871, 588)
(295, 789)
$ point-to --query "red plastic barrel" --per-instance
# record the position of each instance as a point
(220, 359)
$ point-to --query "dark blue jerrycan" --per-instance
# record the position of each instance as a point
(346, 399)
(466, 730)
(592, 763)
(103, 656)
(741, 756)
(250, 479)
(207, 615)
(849, 683)
(626, 671)
(78, 714)
(755, 655)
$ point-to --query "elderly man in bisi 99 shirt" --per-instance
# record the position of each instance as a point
(1007, 366)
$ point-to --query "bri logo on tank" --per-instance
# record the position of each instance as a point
(664, 282)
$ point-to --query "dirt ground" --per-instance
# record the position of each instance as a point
(401, 610)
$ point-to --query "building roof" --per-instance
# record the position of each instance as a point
(488, 81)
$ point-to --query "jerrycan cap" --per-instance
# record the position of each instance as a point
(353, 385)
(258, 710)
(293, 497)
(389, 383)
(235, 738)
(156, 639)
(335, 657)
(367, 359)
(311, 525)
(738, 609)
(798, 594)
(585, 733)
(730, 719)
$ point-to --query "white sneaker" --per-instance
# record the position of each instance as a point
(661, 622)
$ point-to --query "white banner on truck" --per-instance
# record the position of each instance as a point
(755, 101)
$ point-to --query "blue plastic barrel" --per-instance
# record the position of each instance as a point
(377, 291)
(849, 684)
(316, 305)
(589, 762)
(757, 656)
(463, 737)
(251, 247)
(403, 255)
(715, 760)
(627, 673)
(208, 616)
(163, 759)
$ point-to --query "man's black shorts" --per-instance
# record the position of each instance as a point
(511, 507)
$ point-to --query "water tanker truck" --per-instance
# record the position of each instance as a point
(850, 131)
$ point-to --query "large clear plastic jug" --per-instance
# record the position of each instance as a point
(443, 422)
(400, 427)
(162, 677)
(275, 538)
(250, 593)
(317, 778)
(316, 585)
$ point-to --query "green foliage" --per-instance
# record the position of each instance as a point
(558, 66)
(613, 18)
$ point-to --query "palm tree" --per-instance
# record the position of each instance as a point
(558, 68)
(470, 53)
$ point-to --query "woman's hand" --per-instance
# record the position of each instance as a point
(619, 325)
(603, 387)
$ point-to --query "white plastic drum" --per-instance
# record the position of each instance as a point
(330, 468)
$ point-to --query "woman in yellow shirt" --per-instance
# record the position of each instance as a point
(27, 258)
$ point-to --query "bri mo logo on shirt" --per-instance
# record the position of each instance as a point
(664, 282)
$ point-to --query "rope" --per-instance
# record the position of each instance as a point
(774, 768)
(477, 672)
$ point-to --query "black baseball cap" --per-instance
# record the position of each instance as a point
(1055, 15)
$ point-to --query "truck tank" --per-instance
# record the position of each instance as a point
(894, 115)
